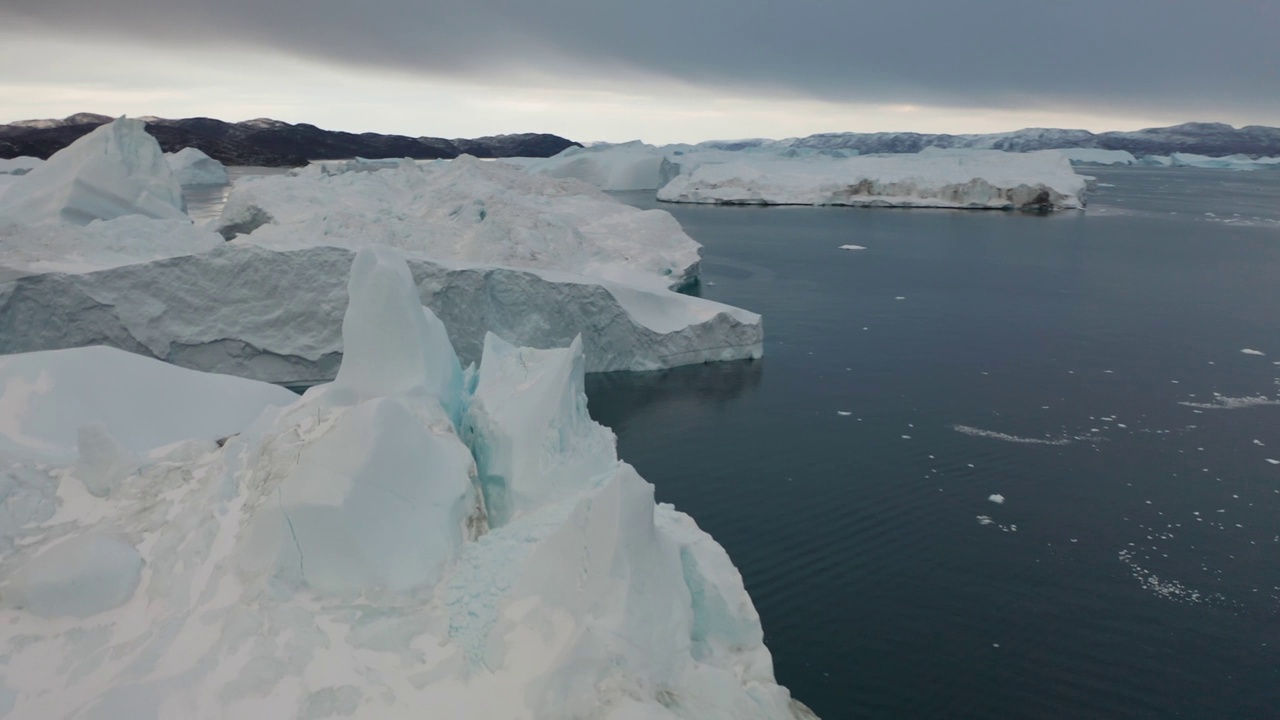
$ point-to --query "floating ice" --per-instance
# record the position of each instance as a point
(993, 435)
(954, 179)
(852, 247)
(997, 498)
(1248, 351)
(118, 169)
(192, 167)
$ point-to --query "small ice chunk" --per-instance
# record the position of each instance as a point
(1248, 351)
(852, 247)
(997, 498)
(844, 413)
(1273, 462)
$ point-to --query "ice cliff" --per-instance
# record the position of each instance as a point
(953, 179)
(408, 541)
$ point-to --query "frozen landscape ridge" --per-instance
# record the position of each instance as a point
(412, 538)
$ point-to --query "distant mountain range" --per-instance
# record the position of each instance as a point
(272, 143)
(1214, 139)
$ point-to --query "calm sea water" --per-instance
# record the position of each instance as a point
(1068, 363)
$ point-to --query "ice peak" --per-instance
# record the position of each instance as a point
(118, 169)
(392, 345)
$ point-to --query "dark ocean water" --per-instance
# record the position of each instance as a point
(1133, 570)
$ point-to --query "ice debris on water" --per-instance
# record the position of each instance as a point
(996, 498)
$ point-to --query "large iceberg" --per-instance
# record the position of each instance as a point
(116, 170)
(192, 167)
(336, 557)
(986, 179)
(220, 310)
(1229, 162)
(537, 260)
(1098, 156)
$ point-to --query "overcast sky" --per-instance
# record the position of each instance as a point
(662, 70)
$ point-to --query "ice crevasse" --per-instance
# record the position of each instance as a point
(412, 538)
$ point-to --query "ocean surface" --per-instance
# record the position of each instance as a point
(1085, 366)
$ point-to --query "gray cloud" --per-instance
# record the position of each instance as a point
(1201, 60)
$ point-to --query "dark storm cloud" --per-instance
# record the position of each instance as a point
(1206, 59)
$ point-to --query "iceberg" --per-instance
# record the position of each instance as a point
(977, 179)
(192, 167)
(337, 556)
(220, 310)
(1098, 156)
(537, 260)
(1229, 162)
(624, 166)
(118, 169)
(466, 210)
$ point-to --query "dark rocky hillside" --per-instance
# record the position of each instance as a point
(273, 143)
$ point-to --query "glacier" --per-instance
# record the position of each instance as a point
(538, 260)
(934, 178)
(192, 167)
(336, 555)
(116, 170)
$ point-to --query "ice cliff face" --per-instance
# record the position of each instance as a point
(113, 171)
(339, 554)
(960, 179)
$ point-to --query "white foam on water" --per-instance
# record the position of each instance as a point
(1222, 402)
(992, 434)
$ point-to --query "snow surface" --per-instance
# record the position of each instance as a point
(336, 558)
(20, 165)
(118, 169)
(47, 398)
(192, 167)
(100, 245)
(956, 179)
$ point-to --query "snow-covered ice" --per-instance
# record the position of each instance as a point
(335, 557)
(852, 247)
(192, 167)
(118, 169)
(1248, 351)
(954, 179)
(996, 498)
